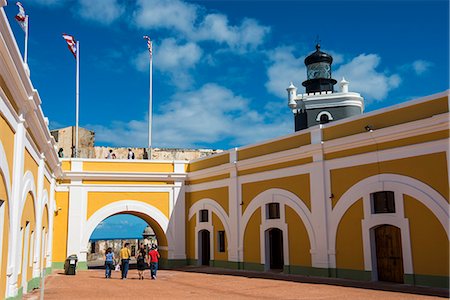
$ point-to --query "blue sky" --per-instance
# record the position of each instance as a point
(221, 67)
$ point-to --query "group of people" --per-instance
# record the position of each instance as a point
(143, 260)
(112, 155)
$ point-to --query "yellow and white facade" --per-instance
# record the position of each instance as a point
(218, 210)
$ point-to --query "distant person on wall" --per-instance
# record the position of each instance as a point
(113, 156)
(109, 156)
(153, 257)
(125, 256)
(130, 154)
(61, 153)
(109, 262)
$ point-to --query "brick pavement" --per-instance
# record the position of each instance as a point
(193, 283)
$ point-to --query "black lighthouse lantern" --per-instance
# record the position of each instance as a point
(318, 65)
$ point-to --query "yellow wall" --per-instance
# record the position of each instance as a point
(299, 244)
(209, 162)
(118, 166)
(8, 94)
(208, 179)
(47, 186)
(251, 239)
(31, 165)
(4, 243)
(422, 168)
(218, 226)
(349, 244)
(429, 242)
(7, 140)
(220, 195)
(66, 165)
(97, 200)
(279, 145)
(190, 237)
(298, 185)
(28, 215)
(397, 116)
(276, 166)
(60, 225)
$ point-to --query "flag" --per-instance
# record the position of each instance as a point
(149, 44)
(21, 18)
(71, 44)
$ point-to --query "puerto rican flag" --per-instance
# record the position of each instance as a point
(149, 44)
(71, 44)
(21, 17)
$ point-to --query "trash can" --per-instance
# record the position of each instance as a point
(70, 265)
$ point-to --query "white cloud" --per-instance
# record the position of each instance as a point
(364, 78)
(189, 22)
(172, 58)
(200, 118)
(361, 72)
(421, 66)
(284, 68)
(103, 12)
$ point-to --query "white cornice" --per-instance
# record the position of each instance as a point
(124, 176)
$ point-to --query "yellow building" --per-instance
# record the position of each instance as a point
(366, 197)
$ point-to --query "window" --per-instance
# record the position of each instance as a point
(221, 240)
(383, 202)
(92, 247)
(273, 210)
(324, 119)
(203, 215)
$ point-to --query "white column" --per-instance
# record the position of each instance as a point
(51, 214)
(14, 237)
(234, 214)
(320, 205)
(38, 230)
(177, 224)
(77, 215)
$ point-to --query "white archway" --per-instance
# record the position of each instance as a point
(28, 186)
(400, 185)
(124, 206)
(285, 198)
(211, 206)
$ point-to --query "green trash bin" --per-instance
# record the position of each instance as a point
(70, 265)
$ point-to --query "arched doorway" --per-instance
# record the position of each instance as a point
(389, 258)
(204, 247)
(27, 237)
(116, 230)
(274, 249)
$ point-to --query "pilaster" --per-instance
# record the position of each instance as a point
(234, 207)
(38, 231)
(177, 229)
(14, 214)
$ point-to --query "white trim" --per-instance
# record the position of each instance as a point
(211, 206)
(285, 198)
(4, 169)
(324, 112)
(124, 206)
(400, 185)
(28, 186)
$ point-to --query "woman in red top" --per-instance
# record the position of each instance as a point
(153, 256)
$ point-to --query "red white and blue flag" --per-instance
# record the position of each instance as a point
(71, 44)
(149, 44)
(21, 17)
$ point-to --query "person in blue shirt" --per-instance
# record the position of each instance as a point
(109, 262)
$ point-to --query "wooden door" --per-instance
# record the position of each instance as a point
(389, 253)
(276, 249)
(205, 247)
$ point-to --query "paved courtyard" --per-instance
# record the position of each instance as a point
(171, 284)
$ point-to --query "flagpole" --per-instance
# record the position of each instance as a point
(150, 108)
(25, 54)
(77, 98)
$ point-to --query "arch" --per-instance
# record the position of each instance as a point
(286, 198)
(28, 186)
(124, 206)
(326, 113)
(400, 185)
(4, 169)
(5, 226)
(45, 201)
(208, 203)
(397, 183)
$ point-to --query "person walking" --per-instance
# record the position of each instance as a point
(140, 264)
(153, 257)
(125, 256)
(109, 262)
